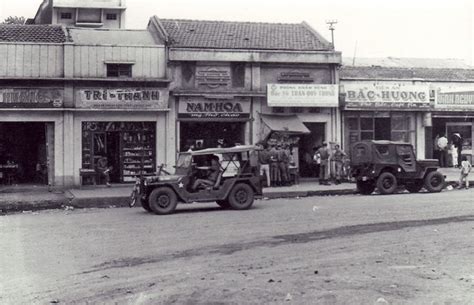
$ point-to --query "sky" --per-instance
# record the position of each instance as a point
(365, 28)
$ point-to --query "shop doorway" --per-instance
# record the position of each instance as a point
(200, 135)
(24, 152)
(306, 144)
(382, 129)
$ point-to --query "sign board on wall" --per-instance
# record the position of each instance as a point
(31, 98)
(124, 98)
(298, 95)
(454, 99)
(201, 108)
(386, 96)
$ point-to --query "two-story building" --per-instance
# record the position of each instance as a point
(241, 83)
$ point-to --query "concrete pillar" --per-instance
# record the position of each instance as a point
(69, 148)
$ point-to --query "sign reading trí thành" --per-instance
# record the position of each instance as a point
(31, 98)
(386, 96)
(201, 108)
(125, 98)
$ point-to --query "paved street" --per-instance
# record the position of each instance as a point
(400, 249)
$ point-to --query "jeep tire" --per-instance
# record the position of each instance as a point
(365, 187)
(387, 183)
(241, 197)
(163, 201)
(434, 182)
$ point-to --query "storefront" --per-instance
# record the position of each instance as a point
(383, 111)
(29, 118)
(126, 125)
(453, 114)
(310, 121)
(212, 121)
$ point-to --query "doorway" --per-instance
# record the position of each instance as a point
(24, 153)
(315, 138)
(382, 130)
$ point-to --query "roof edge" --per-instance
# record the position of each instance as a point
(317, 34)
(155, 26)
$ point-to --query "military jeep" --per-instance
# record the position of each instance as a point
(386, 165)
(237, 184)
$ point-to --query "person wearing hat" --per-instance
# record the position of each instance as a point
(324, 166)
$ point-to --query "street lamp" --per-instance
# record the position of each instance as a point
(331, 24)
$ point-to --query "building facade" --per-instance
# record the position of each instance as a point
(413, 105)
(241, 83)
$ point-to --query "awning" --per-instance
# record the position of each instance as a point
(284, 123)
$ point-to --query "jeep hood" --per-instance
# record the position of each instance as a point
(167, 178)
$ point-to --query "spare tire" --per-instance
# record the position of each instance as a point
(434, 182)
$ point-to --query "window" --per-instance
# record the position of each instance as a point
(66, 15)
(119, 70)
(88, 15)
(238, 75)
(111, 16)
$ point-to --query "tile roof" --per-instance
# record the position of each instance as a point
(243, 35)
(32, 33)
(353, 72)
(407, 62)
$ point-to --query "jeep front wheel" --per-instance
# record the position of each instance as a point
(386, 183)
(365, 187)
(434, 182)
(241, 197)
(163, 201)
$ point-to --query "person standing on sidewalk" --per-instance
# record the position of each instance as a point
(338, 158)
(274, 169)
(284, 164)
(443, 150)
(264, 161)
(465, 170)
(324, 166)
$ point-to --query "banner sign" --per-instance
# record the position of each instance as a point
(31, 98)
(454, 99)
(201, 108)
(124, 98)
(387, 96)
(297, 95)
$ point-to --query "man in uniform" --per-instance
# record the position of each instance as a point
(324, 166)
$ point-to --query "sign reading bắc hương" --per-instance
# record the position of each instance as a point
(31, 98)
(298, 95)
(201, 108)
(454, 99)
(386, 96)
(126, 98)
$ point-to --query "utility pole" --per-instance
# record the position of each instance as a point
(331, 24)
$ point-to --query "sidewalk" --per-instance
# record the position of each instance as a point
(24, 198)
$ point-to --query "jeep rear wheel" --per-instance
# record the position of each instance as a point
(163, 201)
(365, 187)
(414, 186)
(241, 197)
(434, 182)
(223, 204)
(386, 183)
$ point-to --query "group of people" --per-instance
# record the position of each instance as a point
(274, 161)
(322, 158)
(443, 148)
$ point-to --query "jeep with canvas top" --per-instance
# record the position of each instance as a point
(386, 165)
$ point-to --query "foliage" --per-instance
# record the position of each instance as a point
(14, 20)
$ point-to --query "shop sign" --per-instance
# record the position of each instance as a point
(386, 96)
(125, 98)
(454, 99)
(298, 95)
(201, 108)
(31, 98)
(213, 77)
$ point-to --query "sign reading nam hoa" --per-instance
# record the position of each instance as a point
(128, 98)
(386, 96)
(201, 108)
(296, 95)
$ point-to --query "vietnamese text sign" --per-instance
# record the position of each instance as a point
(297, 95)
(31, 98)
(127, 98)
(386, 96)
(201, 108)
(454, 99)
